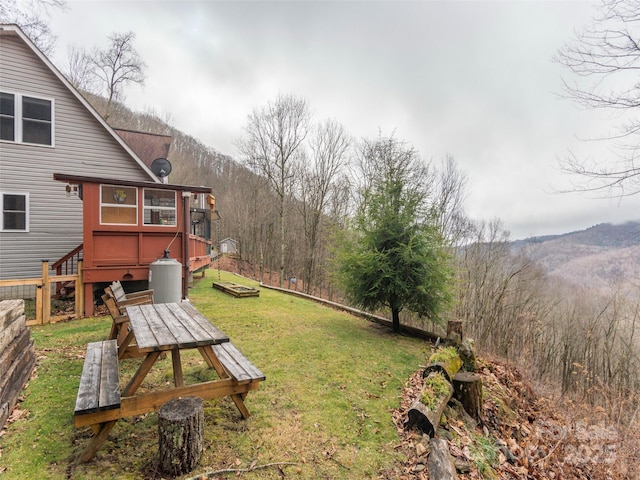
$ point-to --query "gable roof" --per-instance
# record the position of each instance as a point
(148, 146)
(15, 30)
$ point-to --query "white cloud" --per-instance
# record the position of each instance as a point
(473, 80)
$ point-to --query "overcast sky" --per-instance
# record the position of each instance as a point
(472, 80)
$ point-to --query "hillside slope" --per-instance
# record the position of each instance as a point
(597, 257)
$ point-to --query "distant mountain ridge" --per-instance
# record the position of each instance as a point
(597, 257)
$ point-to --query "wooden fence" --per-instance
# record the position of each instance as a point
(43, 297)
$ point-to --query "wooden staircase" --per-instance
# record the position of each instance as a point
(67, 265)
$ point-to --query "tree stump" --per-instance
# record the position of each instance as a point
(181, 435)
(441, 466)
(467, 388)
(454, 331)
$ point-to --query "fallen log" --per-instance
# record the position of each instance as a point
(441, 466)
(444, 360)
(426, 411)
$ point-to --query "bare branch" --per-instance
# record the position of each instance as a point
(607, 52)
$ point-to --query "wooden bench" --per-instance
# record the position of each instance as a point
(100, 381)
(142, 297)
(99, 392)
(238, 366)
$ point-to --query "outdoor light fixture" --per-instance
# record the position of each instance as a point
(71, 190)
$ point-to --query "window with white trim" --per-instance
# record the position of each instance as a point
(159, 207)
(26, 119)
(118, 205)
(15, 212)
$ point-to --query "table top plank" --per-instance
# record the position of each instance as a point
(199, 326)
(174, 324)
(160, 327)
(150, 331)
(142, 332)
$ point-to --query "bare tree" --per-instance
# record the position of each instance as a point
(448, 204)
(329, 146)
(272, 147)
(605, 56)
(30, 16)
(80, 69)
(116, 66)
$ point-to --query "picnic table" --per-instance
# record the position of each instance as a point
(158, 328)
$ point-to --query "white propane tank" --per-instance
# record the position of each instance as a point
(165, 279)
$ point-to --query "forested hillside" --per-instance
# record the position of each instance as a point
(599, 257)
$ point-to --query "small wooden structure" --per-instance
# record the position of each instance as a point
(127, 225)
(236, 289)
(229, 245)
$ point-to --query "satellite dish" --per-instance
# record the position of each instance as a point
(161, 167)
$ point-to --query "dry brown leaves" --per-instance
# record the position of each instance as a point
(531, 437)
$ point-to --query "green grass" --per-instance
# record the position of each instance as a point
(332, 381)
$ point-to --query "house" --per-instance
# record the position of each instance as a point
(71, 186)
(47, 127)
(229, 245)
(128, 225)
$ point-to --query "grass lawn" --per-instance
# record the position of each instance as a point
(332, 380)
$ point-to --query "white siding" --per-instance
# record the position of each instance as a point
(82, 147)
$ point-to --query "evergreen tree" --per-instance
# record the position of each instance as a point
(394, 255)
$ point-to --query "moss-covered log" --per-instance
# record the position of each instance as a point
(426, 411)
(444, 360)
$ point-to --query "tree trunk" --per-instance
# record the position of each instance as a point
(441, 466)
(181, 435)
(467, 388)
(395, 317)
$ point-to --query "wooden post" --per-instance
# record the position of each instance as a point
(454, 331)
(467, 352)
(467, 388)
(181, 435)
(79, 291)
(46, 293)
(39, 302)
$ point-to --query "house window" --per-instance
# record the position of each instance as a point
(26, 119)
(7, 116)
(15, 211)
(118, 205)
(159, 207)
(36, 120)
